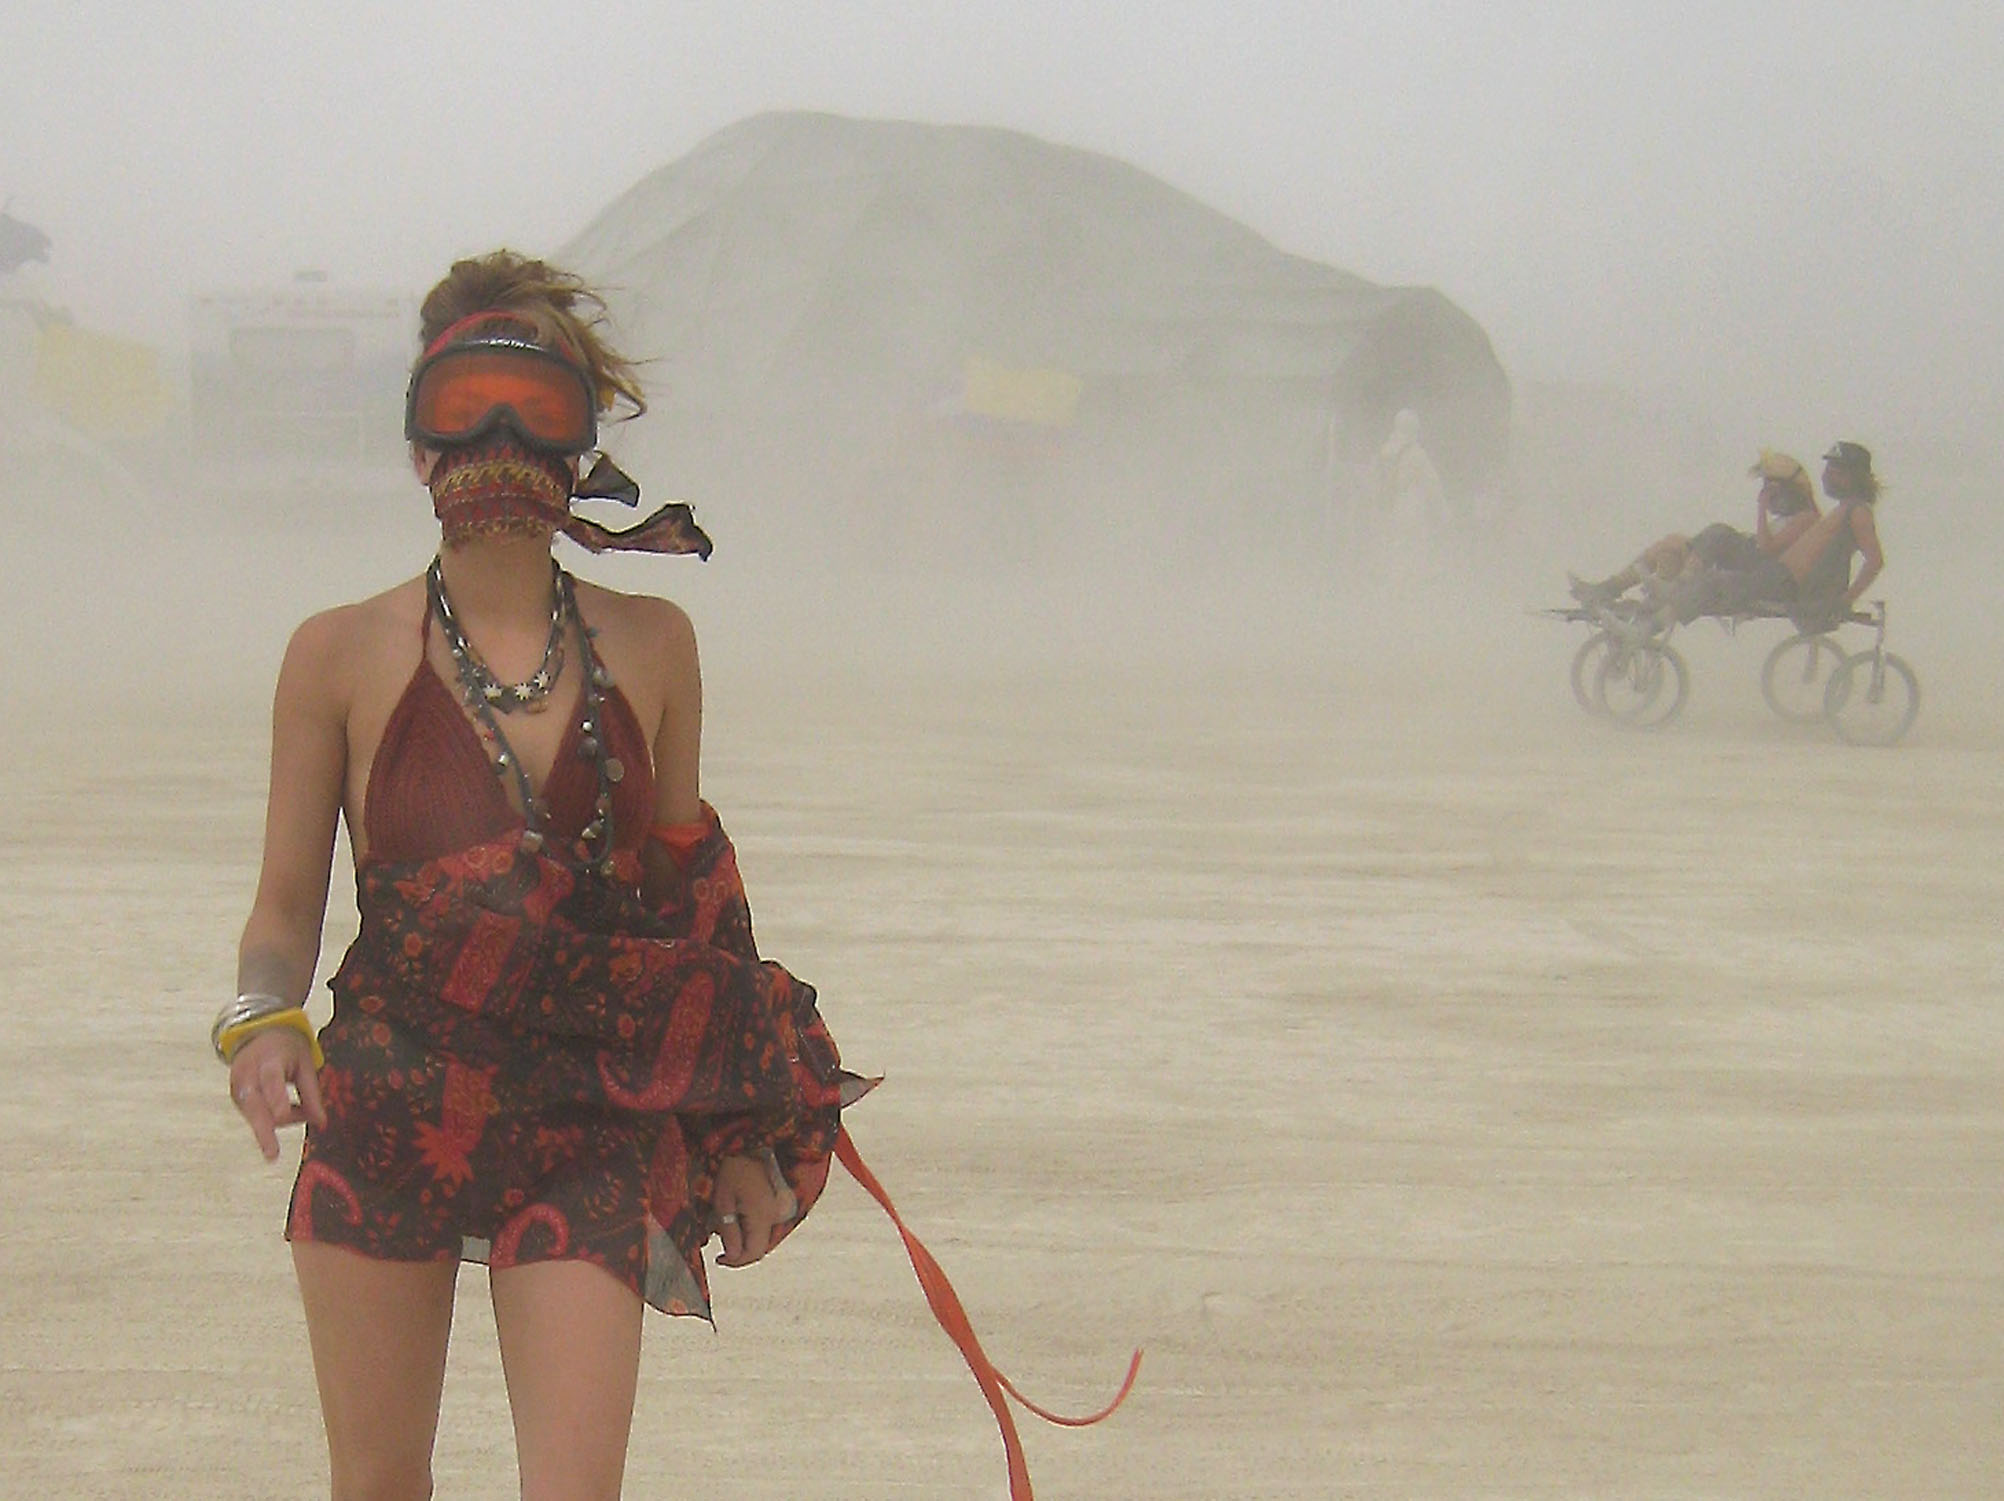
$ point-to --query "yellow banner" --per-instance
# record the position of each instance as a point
(98, 384)
(1049, 398)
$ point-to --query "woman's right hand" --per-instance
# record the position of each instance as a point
(274, 1083)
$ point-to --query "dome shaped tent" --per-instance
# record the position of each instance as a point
(863, 327)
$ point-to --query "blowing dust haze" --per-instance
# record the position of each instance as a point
(1149, 451)
(1685, 237)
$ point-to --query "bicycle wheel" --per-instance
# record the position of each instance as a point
(1872, 699)
(1795, 675)
(1642, 686)
(1586, 669)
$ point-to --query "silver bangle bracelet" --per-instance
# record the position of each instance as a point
(245, 1008)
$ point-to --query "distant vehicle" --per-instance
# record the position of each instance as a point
(308, 373)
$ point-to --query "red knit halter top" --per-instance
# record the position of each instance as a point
(432, 788)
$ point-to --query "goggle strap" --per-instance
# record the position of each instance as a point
(491, 315)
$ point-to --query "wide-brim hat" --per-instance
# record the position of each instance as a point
(1773, 464)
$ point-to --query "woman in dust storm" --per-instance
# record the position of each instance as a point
(554, 1047)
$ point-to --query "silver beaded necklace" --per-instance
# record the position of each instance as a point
(532, 694)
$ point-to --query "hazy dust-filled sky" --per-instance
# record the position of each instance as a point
(1789, 208)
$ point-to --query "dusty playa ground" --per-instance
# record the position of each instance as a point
(1454, 1100)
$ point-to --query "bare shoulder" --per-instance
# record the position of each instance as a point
(649, 644)
(332, 650)
(651, 632)
(631, 611)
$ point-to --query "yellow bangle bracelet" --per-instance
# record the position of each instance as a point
(292, 1016)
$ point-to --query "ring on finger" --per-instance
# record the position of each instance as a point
(727, 1219)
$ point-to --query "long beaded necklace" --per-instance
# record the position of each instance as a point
(594, 845)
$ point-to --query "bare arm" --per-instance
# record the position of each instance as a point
(1774, 540)
(281, 938)
(309, 757)
(678, 742)
(1866, 531)
(750, 1198)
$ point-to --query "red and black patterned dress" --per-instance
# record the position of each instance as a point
(526, 1061)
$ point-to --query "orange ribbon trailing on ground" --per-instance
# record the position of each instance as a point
(946, 1308)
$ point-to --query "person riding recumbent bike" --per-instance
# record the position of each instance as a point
(1796, 566)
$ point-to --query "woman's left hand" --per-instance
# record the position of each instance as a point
(750, 1205)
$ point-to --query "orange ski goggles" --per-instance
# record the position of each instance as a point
(464, 391)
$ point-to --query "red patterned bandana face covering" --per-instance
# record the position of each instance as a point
(498, 488)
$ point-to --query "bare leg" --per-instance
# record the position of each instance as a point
(1603, 591)
(1666, 557)
(1663, 558)
(379, 1331)
(1697, 590)
(570, 1348)
(1680, 572)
